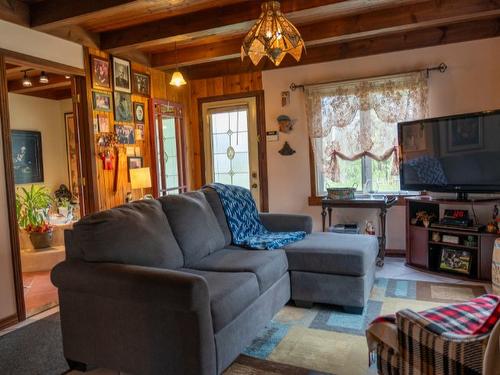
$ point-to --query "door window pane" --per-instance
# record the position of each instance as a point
(170, 152)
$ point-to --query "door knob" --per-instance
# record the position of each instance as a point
(254, 186)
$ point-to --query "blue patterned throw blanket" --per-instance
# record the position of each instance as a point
(244, 222)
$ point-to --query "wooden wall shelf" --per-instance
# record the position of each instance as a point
(424, 253)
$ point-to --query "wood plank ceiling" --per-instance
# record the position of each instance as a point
(208, 33)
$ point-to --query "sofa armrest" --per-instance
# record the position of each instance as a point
(177, 290)
(286, 222)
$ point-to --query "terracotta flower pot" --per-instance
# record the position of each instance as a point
(41, 240)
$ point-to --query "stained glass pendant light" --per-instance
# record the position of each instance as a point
(272, 36)
(177, 77)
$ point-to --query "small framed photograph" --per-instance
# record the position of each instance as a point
(123, 107)
(121, 75)
(101, 101)
(465, 134)
(125, 134)
(139, 113)
(141, 84)
(103, 123)
(455, 260)
(101, 72)
(139, 132)
(27, 156)
(134, 162)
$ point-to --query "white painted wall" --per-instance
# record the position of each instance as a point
(472, 83)
(34, 43)
(46, 116)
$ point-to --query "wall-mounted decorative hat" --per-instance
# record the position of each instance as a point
(285, 123)
(286, 150)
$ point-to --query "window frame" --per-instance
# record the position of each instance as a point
(159, 110)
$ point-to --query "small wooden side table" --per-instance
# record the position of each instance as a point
(382, 204)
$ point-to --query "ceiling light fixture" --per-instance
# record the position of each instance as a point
(26, 81)
(177, 78)
(43, 78)
(273, 35)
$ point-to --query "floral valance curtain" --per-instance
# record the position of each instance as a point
(353, 119)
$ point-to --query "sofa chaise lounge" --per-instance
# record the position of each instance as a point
(156, 287)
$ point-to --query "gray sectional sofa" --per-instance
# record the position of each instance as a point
(155, 286)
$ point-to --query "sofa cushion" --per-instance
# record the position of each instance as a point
(333, 253)
(194, 225)
(137, 233)
(230, 294)
(214, 201)
(267, 265)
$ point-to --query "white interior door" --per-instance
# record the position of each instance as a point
(231, 144)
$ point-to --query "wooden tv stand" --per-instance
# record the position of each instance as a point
(424, 253)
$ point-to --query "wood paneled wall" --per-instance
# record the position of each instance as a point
(204, 88)
(109, 196)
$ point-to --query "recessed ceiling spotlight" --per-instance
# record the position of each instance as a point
(26, 80)
(43, 78)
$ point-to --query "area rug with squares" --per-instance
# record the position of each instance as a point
(317, 341)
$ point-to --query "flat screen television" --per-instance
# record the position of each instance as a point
(451, 154)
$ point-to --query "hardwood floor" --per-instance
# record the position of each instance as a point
(39, 292)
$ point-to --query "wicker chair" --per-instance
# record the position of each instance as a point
(409, 347)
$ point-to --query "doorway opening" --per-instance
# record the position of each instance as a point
(47, 178)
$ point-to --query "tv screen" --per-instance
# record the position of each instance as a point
(456, 153)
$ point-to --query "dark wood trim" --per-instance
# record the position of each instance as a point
(261, 133)
(39, 63)
(11, 193)
(84, 118)
(8, 321)
(395, 253)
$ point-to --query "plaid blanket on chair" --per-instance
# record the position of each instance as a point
(440, 341)
(244, 221)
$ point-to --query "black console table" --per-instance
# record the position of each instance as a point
(382, 204)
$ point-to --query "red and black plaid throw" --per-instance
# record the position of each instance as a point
(477, 316)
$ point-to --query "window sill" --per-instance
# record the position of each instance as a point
(316, 200)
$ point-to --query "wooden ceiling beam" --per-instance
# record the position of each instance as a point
(433, 36)
(55, 81)
(48, 14)
(227, 19)
(372, 24)
(15, 11)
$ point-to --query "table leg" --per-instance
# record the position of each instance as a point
(329, 217)
(381, 255)
(323, 217)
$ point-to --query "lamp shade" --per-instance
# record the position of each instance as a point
(177, 79)
(140, 178)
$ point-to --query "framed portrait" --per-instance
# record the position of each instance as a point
(414, 138)
(121, 75)
(455, 260)
(101, 101)
(27, 156)
(101, 72)
(139, 132)
(103, 123)
(134, 162)
(465, 134)
(141, 84)
(125, 134)
(123, 107)
(139, 113)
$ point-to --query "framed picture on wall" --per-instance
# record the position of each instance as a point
(139, 113)
(141, 84)
(101, 101)
(27, 156)
(134, 162)
(103, 123)
(123, 107)
(101, 72)
(121, 75)
(125, 134)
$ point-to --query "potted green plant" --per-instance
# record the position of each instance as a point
(32, 208)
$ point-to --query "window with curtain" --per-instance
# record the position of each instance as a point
(353, 129)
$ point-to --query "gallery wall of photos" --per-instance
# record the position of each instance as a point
(120, 93)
